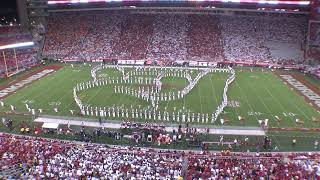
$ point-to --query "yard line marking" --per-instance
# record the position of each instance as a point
(214, 91)
(266, 107)
(167, 104)
(33, 91)
(293, 105)
(199, 93)
(70, 105)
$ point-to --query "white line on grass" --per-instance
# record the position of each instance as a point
(214, 91)
(33, 90)
(199, 93)
(284, 110)
(268, 109)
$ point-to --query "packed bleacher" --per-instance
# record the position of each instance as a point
(204, 43)
(51, 159)
(9, 30)
(42, 159)
(239, 166)
(171, 37)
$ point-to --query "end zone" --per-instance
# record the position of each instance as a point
(26, 80)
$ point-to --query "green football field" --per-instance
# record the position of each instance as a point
(255, 96)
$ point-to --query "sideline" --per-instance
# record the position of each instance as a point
(117, 125)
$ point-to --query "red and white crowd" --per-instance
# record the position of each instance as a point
(45, 159)
(171, 37)
(64, 160)
(259, 166)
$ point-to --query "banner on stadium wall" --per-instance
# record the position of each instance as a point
(193, 63)
(97, 60)
(203, 64)
(71, 60)
(127, 62)
(139, 62)
(212, 64)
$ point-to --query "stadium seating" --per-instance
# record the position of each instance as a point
(171, 37)
(205, 43)
(10, 30)
(240, 166)
(43, 158)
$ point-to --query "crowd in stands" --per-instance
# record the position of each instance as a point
(246, 38)
(313, 70)
(100, 40)
(135, 36)
(43, 158)
(270, 166)
(56, 159)
(66, 34)
(6, 31)
(170, 37)
(204, 43)
(142, 126)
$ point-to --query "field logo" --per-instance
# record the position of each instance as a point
(308, 93)
(28, 101)
(58, 103)
(289, 114)
(103, 75)
(20, 84)
(254, 113)
(233, 104)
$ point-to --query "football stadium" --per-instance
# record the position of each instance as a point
(101, 89)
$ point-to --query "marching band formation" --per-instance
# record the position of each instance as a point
(149, 90)
(150, 78)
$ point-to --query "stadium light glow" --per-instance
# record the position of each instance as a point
(10, 46)
(289, 2)
(235, 1)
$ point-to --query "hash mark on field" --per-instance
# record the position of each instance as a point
(279, 145)
(31, 91)
(199, 93)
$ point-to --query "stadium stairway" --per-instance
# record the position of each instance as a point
(184, 169)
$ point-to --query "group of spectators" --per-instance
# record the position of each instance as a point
(44, 158)
(7, 31)
(265, 166)
(142, 126)
(247, 38)
(314, 70)
(103, 35)
(205, 42)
